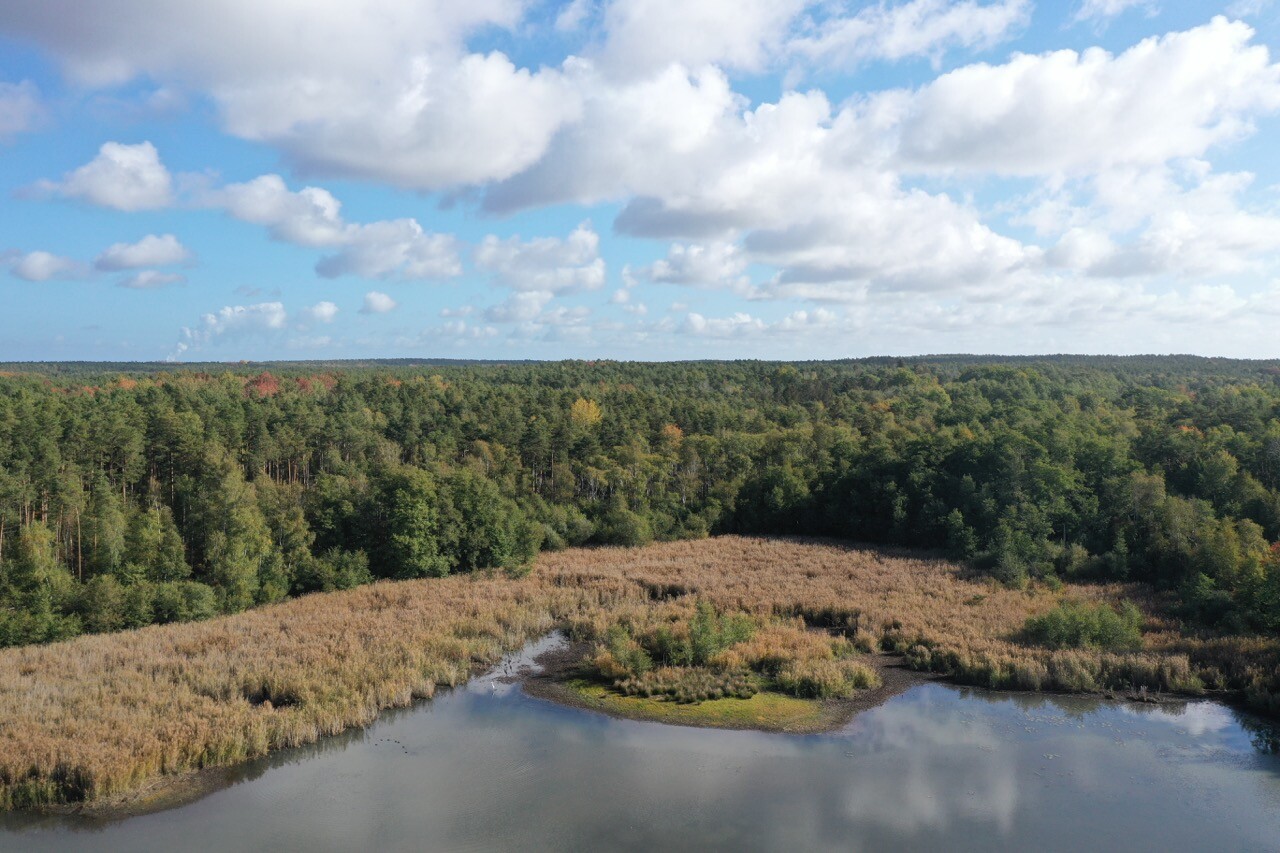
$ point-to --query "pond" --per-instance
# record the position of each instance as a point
(936, 768)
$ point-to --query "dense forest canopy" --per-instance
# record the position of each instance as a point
(132, 494)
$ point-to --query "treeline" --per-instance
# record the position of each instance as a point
(136, 496)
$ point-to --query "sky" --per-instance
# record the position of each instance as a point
(637, 179)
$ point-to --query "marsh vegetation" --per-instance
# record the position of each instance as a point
(97, 716)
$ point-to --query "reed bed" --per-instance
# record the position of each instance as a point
(942, 617)
(102, 715)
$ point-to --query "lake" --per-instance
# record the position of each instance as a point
(939, 767)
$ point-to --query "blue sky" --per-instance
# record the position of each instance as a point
(642, 179)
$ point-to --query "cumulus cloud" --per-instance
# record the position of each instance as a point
(1068, 112)
(861, 201)
(150, 251)
(233, 322)
(20, 108)
(398, 97)
(151, 280)
(259, 324)
(392, 96)
(378, 303)
(823, 194)
(647, 35)
(394, 249)
(720, 263)
(321, 312)
(547, 264)
(309, 217)
(520, 307)
(123, 177)
(1186, 224)
(742, 324)
(642, 37)
(460, 331)
(44, 266)
(739, 323)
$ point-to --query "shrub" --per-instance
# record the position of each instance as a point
(704, 637)
(621, 526)
(1073, 625)
(183, 601)
(826, 679)
(627, 654)
(101, 604)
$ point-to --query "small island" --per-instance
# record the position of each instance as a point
(685, 663)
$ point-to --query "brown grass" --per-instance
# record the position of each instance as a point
(100, 715)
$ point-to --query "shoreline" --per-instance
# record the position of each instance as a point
(549, 679)
(334, 663)
(552, 682)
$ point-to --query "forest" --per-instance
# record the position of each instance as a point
(134, 494)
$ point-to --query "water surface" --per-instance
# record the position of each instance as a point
(936, 768)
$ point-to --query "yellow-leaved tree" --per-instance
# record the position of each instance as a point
(585, 413)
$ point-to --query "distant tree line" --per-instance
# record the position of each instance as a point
(137, 495)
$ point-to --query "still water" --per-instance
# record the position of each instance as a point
(936, 768)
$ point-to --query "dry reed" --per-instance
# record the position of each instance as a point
(101, 715)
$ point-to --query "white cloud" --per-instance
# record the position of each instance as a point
(393, 249)
(398, 96)
(150, 251)
(720, 263)
(396, 249)
(1068, 112)
(243, 41)
(644, 36)
(573, 15)
(392, 96)
(45, 266)
(916, 28)
(796, 324)
(648, 136)
(863, 202)
(783, 174)
(461, 330)
(233, 322)
(739, 323)
(547, 264)
(308, 217)
(434, 126)
(1186, 224)
(377, 303)
(123, 177)
(151, 280)
(519, 307)
(20, 108)
(321, 312)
